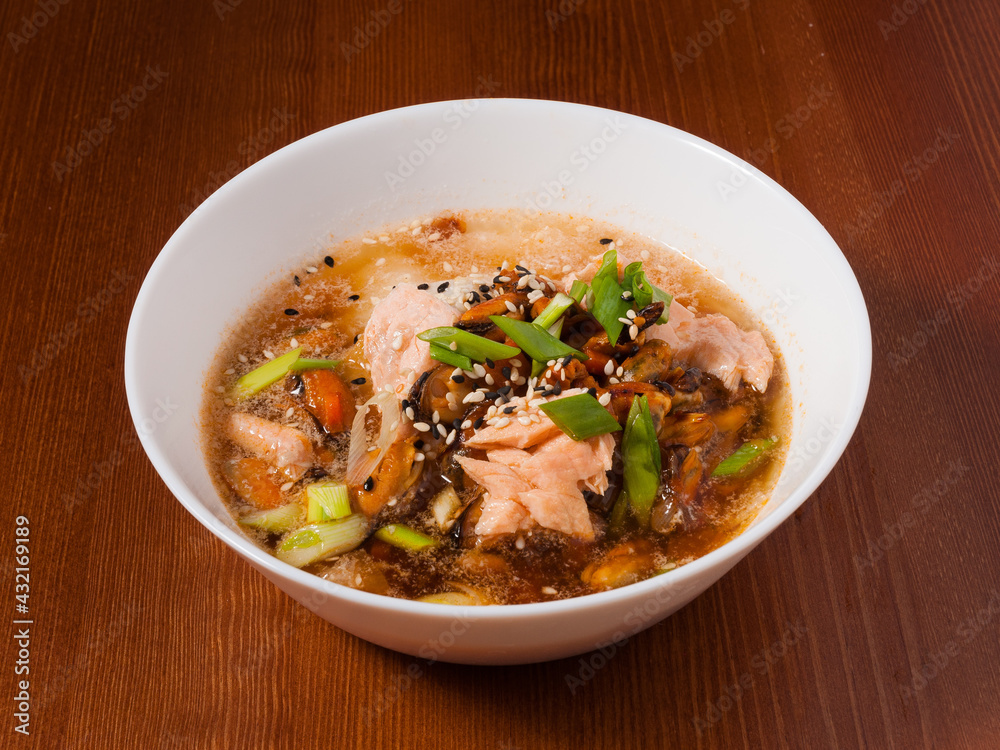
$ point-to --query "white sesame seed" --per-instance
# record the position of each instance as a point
(524, 420)
(605, 399)
(294, 343)
(326, 325)
(426, 222)
(453, 346)
(630, 314)
(451, 437)
(519, 543)
(466, 424)
(409, 412)
(394, 426)
(219, 389)
(473, 398)
(613, 381)
(609, 367)
(567, 269)
(421, 427)
(415, 223)
(502, 422)
(230, 371)
(403, 229)
(397, 343)
(372, 448)
(435, 417)
(620, 371)
(548, 590)
(488, 379)
(503, 265)
(287, 486)
(383, 238)
(433, 237)
(241, 357)
(309, 297)
(418, 457)
(492, 412)
(368, 241)
(416, 231)
(479, 370)
(268, 354)
(625, 321)
(227, 401)
(289, 412)
(380, 262)
(523, 282)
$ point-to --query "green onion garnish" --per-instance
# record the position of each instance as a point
(274, 520)
(405, 537)
(534, 341)
(580, 416)
(327, 501)
(618, 512)
(744, 458)
(643, 292)
(468, 344)
(578, 291)
(321, 540)
(313, 364)
(641, 458)
(554, 310)
(446, 355)
(606, 303)
(270, 372)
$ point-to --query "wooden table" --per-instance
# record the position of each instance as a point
(870, 619)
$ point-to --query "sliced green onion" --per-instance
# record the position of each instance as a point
(534, 341)
(446, 355)
(580, 416)
(321, 540)
(578, 291)
(554, 310)
(643, 292)
(468, 344)
(274, 520)
(744, 458)
(270, 372)
(641, 458)
(405, 537)
(313, 364)
(618, 513)
(327, 501)
(606, 303)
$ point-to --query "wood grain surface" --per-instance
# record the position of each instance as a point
(870, 619)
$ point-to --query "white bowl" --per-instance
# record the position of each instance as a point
(499, 153)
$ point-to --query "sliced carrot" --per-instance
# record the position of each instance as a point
(328, 399)
(252, 480)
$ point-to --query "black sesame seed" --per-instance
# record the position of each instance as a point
(369, 484)
(490, 363)
(592, 391)
(482, 287)
(354, 297)
(475, 297)
(605, 241)
(296, 280)
(509, 410)
(457, 423)
(506, 372)
(418, 444)
(328, 260)
(522, 269)
(458, 378)
(496, 279)
(423, 286)
(359, 381)
(443, 286)
(557, 390)
(567, 359)
(477, 424)
(505, 390)
(356, 337)
(490, 395)
(405, 404)
(291, 311)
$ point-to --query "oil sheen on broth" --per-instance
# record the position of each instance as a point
(709, 384)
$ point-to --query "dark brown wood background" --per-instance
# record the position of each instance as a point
(869, 620)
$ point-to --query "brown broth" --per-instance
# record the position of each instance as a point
(547, 565)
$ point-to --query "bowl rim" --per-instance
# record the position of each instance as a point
(732, 550)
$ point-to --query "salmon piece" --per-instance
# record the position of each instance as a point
(716, 345)
(668, 331)
(515, 434)
(285, 448)
(391, 344)
(563, 463)
(502, 515)
(565, 512)
(501, 512)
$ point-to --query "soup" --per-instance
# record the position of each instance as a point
(489, 408)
